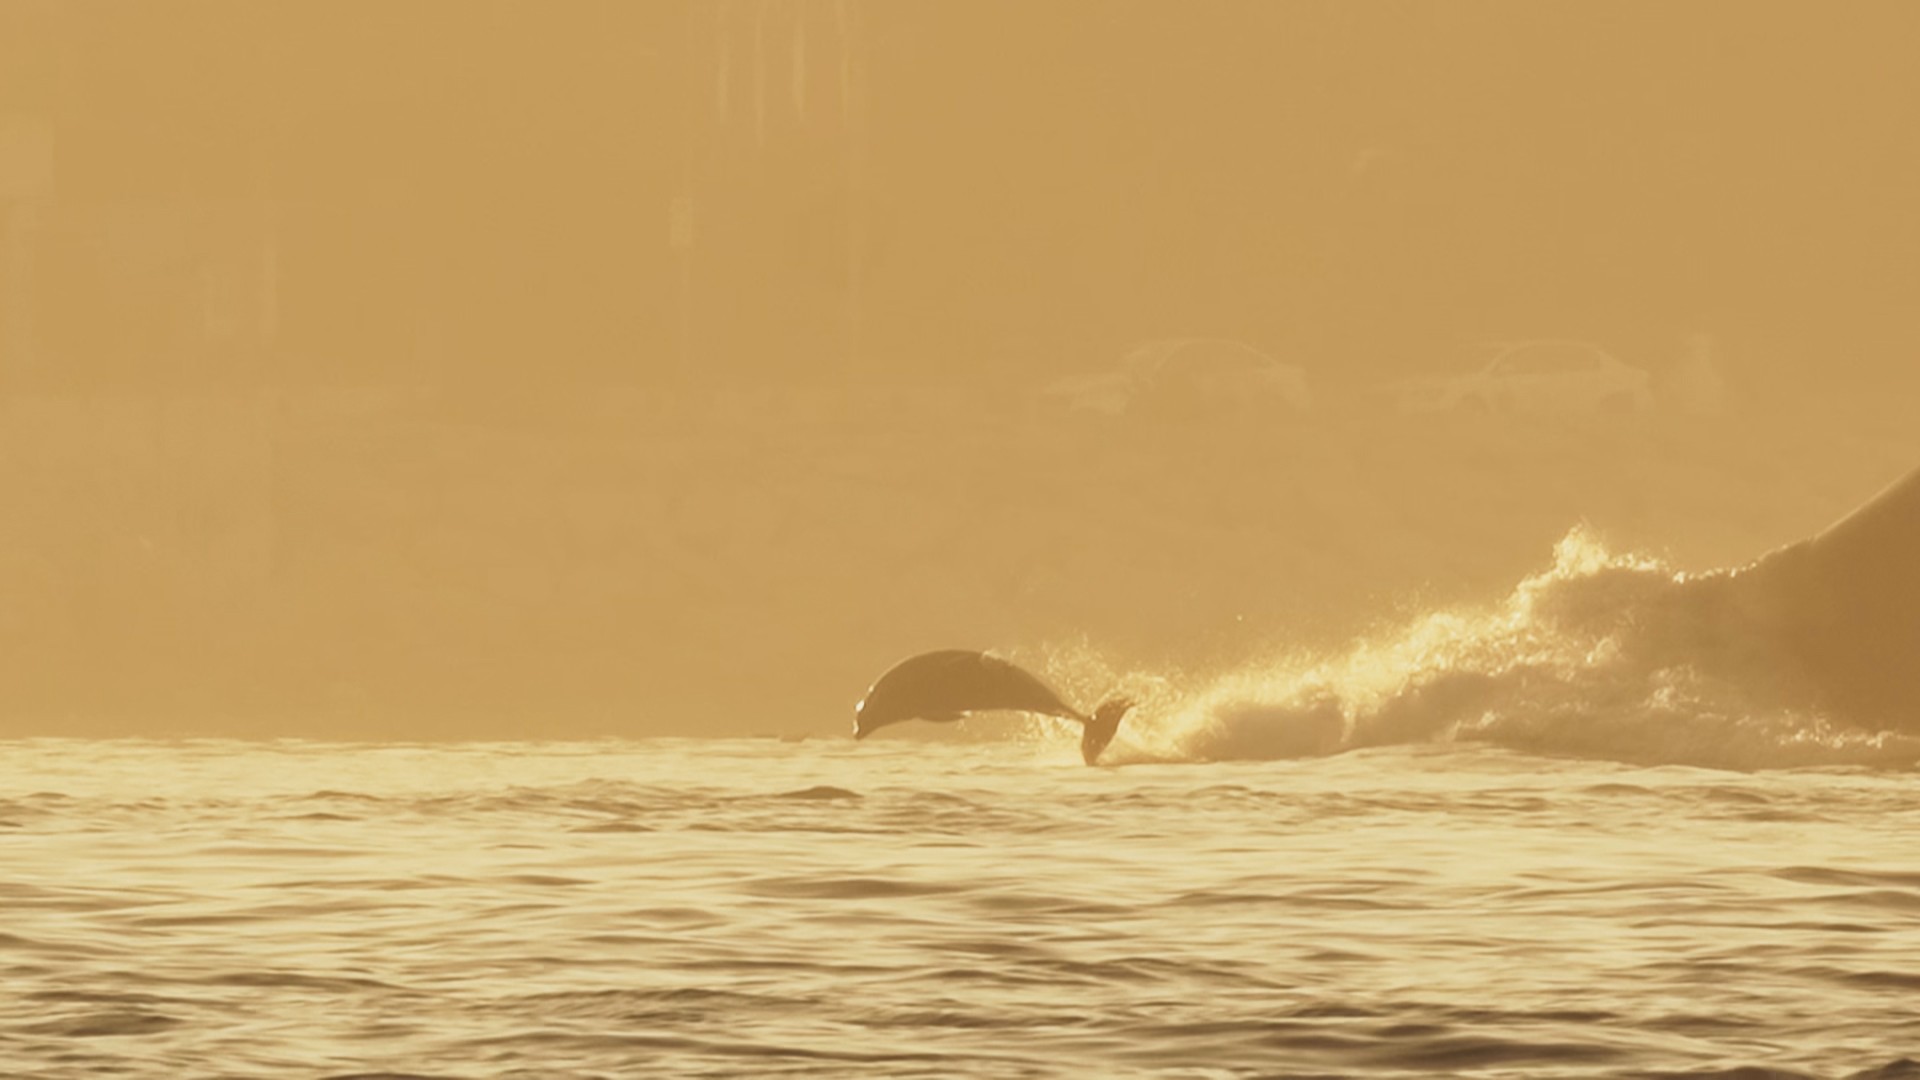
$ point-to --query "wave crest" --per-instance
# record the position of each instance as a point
(1603, 655)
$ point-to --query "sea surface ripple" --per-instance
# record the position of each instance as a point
(764, 908)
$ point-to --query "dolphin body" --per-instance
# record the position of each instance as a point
(1837, 614)
(947, 684)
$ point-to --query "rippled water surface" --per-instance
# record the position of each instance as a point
(759, 908)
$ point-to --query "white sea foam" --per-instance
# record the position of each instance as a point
(1604, 655)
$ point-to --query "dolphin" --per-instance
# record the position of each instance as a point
(1837, 613)
(947, 684)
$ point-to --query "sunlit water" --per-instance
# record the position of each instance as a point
(891, 908)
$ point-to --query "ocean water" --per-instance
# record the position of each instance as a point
(1594, 829)
(911, 908)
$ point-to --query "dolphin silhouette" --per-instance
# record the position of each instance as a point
(947, 684)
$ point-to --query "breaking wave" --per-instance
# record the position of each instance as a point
(1602, 656)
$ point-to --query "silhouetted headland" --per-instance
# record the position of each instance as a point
(1840, 611)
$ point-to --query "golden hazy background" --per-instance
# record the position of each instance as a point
(576, 367)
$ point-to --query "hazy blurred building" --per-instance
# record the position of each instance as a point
(26, 182)
(155, 295)
(468, 193)
(1696, 384)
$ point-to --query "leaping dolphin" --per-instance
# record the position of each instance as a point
(945, 685)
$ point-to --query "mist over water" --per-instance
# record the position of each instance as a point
(727, 908)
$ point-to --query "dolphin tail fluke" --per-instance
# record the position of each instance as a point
(1098, 730)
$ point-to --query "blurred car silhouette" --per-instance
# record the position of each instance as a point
(1186, 378)
(1530, 376)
